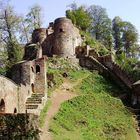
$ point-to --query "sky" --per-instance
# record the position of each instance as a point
(128, 10)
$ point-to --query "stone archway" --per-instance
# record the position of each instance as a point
(2, 106)
(33, 88)
(15, 111)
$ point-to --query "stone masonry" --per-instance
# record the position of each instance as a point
(27, 88)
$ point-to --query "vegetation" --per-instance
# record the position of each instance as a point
(79, 16)
(101, 25)
(43, 114)
(94, 114)
(108, 37)
(98, 46)
(57, 66)
(14, 32)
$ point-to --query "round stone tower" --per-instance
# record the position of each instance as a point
(66, 38)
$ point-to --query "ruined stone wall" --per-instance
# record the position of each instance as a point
(48, 45)
(31, 74)
(66, 38)
(107, 61)
(9, 93)
(40, 83)
(60, 38)
(39, 35)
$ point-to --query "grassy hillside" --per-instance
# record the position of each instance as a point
(94, 114)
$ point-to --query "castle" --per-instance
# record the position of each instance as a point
(26, 90)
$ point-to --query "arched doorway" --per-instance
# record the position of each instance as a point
(33, 90)
(15, 110)
(2, 106)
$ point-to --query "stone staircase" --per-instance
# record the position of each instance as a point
(35, 103)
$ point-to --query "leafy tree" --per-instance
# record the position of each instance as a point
(117, 27)
(34, 17)
(125, 37)
(79, 17)
(32, 21)
(101, 24)
(9, 25)
(129, 37)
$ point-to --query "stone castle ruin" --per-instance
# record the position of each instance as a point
(26, 90)
(60, 38)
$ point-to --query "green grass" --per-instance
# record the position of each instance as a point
(75, 75)
(57, 66)
(43, 114)
(94, 115)
(64, 65)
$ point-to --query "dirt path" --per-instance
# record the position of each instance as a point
(63, 93)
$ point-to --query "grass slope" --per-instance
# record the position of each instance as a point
(94, 114)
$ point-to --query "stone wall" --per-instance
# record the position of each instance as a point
(108, 62)
(40, 83)
(9, 93)
(39, 35)
(30, 76)
(48, 45)
(82, 51)
(136, 94)
(60, 38)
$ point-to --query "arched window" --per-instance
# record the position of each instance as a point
(37, 69)
(32, 86)
(15, 110)
(2, 106)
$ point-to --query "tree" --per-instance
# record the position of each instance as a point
(117, 27)
(79, 17)
(101, 24)
(9, 25)
(34, 17)
(129, 37)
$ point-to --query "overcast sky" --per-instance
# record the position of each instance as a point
(128, 10)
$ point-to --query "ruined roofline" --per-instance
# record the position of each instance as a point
(62, 19)
(4, 77)
(24, 61)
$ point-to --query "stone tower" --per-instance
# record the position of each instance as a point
(66, 38)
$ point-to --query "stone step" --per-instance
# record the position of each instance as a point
(33, 102)
(37, 95)
(31, 106)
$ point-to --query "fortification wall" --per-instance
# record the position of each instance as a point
(39, 35)
(40, 83)
(31, 76)
(9, 92)
(108, 62)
